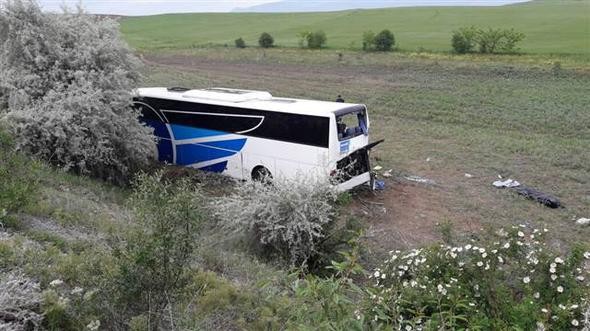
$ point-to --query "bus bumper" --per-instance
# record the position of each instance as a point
(354, 182)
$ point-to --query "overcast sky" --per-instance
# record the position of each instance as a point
(150, 7)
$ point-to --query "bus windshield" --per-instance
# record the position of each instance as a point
(352, 124)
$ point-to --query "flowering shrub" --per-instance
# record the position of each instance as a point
(288, 216)
(65, 83)
(513, 282)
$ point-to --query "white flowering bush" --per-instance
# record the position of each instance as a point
(515, 281)
(287, 216)
(20, 298)
(65, 84)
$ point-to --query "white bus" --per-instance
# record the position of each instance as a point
(250, 134)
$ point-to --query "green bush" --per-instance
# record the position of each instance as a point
(316, 40)
(19, 178)
(155, 260)
(266, 40)
(240, 43)
(513, 282)
(464, 40)
(384, 41)
(368, 41)
(489, 40)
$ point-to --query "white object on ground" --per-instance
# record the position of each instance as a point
(583, 221)
(419, 179)
(427, 159)
(468, 175)
(377, 168)
(387, 173)
(506, 183)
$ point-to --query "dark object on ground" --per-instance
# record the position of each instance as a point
(533, 194)
(339, 98)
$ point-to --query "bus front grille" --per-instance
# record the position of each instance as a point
(355, 164)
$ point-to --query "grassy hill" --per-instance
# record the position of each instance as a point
(551, 26)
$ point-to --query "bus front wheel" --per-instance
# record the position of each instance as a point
(260, 173)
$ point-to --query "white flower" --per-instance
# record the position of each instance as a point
(408, 328)
(560, 289)
(580, 278)
(77, 290)
(453, 255)
(562, 307)
(482, 250)
(468, 246)
(507, 245)
(574, 307)
(520, 234)
(377, 274)
(553, 277)
(552, 270)
(484, 255)
(494, 251)
(479, 263)
(500, 259)
(558, 260)
(575, 322)
(56, 282)
(526, 280)
(545, 310)
(536, 295)
(587, 255)
(93, 326)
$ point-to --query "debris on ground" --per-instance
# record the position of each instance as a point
(529, 192)
(387, 173)
(419, 179)
(506, 183)
(377, 168)
(379, 185)
(543, 198)
(583, 221)
(468, 175)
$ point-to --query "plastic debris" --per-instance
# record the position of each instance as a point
(583, 221)
(506, 183)
(387, 173)
(377, 168)
(419, 179)
(469, 175)
(379, 185)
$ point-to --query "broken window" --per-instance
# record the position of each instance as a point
(351, 124)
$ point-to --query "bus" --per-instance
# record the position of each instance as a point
(251, 135)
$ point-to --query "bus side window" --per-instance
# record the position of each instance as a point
(341, 127)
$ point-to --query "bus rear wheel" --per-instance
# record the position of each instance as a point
(261, 174)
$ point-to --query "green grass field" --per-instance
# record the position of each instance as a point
(551, 26)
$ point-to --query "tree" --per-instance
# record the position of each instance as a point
(368, 40)
(65, 84)
(488, 40)
(266, 40)
(240, 43)
(464, 39)
(384, 41)
(316, 39)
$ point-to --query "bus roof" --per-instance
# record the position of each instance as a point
(261, 100)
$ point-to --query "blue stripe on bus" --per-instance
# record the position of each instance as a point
(181, 132)
(233, 144)
(217, 167)
(160, 129)
(165, 150)
(190, 154)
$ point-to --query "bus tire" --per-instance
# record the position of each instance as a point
(261, 173)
